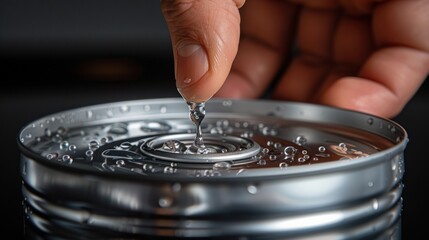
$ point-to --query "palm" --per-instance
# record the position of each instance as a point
(347, 56)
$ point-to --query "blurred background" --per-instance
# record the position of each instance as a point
(58, 55)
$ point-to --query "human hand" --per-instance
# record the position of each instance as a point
(364, 55)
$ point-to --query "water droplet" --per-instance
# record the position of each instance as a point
(283, 165)
(300, 140)
(88, 154)
(168, 169)
(322, 149)
(93, 145)
(222, 166)
(174, 146)
(163, 109)
(64, 145)
(375, 204)
(120, 163)
(262, 162)
(165, 202)
(277, 145)
(370, 184)
(124, 109)
(301, 159)
(89, 114)
(67, 159)
(265, 150)
(252, 189)
(126, 145)
(28, 135)
(52, 156)
(176, 187)
(289, 150)
(370, 121)
(272, 157)
(227, 103)
(48, 132)
(72, 148)
(110, 113)
(24, 168)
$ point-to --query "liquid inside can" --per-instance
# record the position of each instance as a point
(272, 170)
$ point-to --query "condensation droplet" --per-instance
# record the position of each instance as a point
(370, 121)
(370, 184)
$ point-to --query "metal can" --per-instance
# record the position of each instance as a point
(276, 170)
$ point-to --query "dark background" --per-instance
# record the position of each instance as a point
(67, 54)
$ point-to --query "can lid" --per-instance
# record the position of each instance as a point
(246, 138)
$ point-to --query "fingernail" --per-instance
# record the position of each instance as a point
(192, 64)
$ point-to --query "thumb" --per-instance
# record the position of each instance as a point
(204, 36)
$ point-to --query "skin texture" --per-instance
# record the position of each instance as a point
(364, 55)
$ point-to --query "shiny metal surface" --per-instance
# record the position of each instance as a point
(277, 170)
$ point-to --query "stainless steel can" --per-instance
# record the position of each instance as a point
(275, 170)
